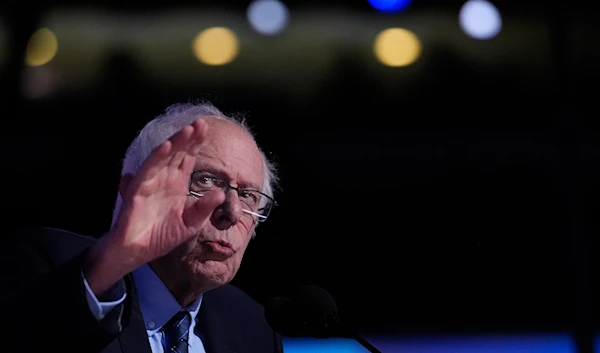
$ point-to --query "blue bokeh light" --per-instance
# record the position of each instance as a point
(390, 6)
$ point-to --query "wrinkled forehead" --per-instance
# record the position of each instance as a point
(232, 148)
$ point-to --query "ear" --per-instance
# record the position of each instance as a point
(124, 184)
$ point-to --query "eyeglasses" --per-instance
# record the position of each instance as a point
(255, 204)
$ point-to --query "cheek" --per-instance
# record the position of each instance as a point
(188, 251)
(246, 226)
(189, 201)
(189, 214)
(245, 236)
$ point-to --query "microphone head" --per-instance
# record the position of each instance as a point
(309, 311)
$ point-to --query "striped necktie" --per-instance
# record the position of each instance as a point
(176, 333)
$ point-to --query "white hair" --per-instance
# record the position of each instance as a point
(173, 119)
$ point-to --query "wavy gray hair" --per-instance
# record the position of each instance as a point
(173, 119)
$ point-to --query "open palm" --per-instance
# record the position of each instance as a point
(152, 221)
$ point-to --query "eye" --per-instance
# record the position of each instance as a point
(249, 196)
(206, 181)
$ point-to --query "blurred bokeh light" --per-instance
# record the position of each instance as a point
(268, 17)
(216, 46)
(480, 19)
(397, 47)
(390, 6)
(42, 47)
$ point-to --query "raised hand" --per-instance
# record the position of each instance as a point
(152, 221)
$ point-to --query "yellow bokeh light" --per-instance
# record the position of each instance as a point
(397, 47)
(216, 46)
(41, 48)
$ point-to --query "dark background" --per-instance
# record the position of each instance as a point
(453, 195)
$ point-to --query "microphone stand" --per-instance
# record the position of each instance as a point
(335, 322)
(363, 342)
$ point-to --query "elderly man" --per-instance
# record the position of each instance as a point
(193, 189)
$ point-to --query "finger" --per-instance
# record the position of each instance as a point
(201, 210)
(198, 137)
(181, 141)
(181, 138)
(190, 147)
(157, 159)
(164, 154)
(187, 164)
(196, 141)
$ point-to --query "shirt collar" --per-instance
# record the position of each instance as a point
(156, 301)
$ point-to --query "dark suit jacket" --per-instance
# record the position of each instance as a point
(43, 306)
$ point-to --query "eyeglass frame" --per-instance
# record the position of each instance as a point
(259, 218)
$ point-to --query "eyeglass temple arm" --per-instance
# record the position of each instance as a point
(197, 195)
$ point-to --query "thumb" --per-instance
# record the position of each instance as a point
(202, 208)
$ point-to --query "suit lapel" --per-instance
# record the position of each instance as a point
(134, 338)
(212, 328)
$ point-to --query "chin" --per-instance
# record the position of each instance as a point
(217, 273)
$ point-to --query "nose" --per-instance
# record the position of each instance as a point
(229, 212)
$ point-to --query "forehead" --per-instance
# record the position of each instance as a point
(230, 150)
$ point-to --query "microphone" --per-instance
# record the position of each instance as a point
(310, 312)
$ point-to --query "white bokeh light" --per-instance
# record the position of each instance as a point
(268, 16)
(480, 19)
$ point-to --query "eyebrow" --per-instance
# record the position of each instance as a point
(224, 175)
